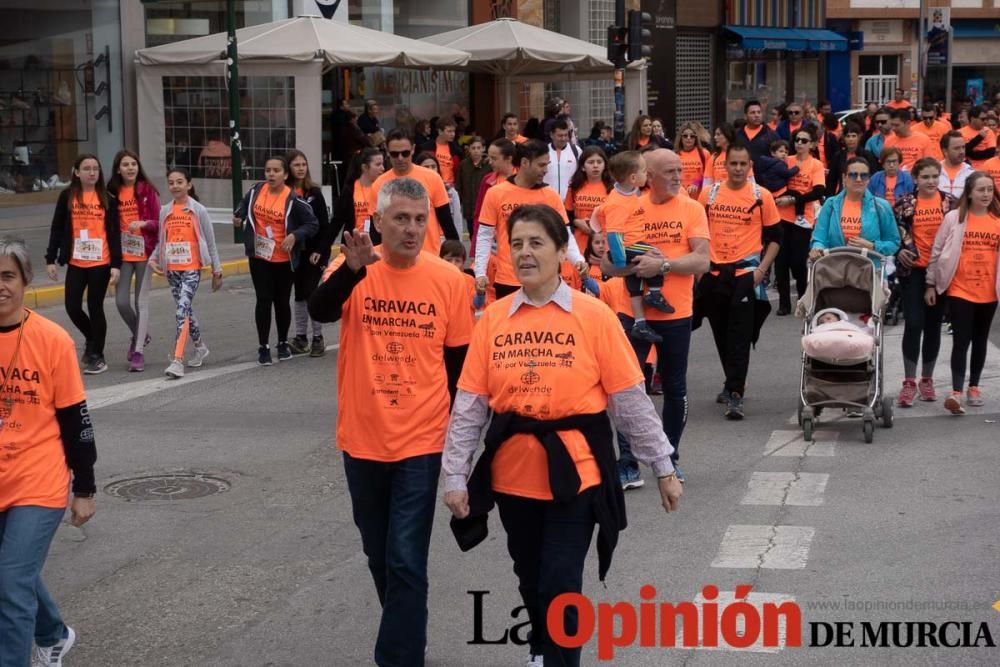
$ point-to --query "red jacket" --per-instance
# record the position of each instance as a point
(149, 213)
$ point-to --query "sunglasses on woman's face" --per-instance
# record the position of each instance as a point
(687, 136)
(794, 113)
(858, 175)
(802, 140)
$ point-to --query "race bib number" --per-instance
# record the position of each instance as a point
(367, 229)
(179, 253)
(88, 250)
(134, 245)
(263, 247)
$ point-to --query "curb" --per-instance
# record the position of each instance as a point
(50, 296)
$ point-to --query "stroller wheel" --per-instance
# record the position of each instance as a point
(886, 412)
(869, 430)
(807, 429)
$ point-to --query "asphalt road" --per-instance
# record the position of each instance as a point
(270, 571)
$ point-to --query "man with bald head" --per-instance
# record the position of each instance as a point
(675, 225)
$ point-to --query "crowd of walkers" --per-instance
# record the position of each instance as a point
(592, 264)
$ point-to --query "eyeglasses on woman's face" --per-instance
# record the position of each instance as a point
(858, 175)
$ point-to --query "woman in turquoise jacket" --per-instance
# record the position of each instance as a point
(855, 217)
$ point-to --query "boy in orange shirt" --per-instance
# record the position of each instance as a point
(453, 252)
(621, 219)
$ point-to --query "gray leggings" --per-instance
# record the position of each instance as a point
(136, 317)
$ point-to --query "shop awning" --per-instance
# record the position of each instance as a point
(788, 39)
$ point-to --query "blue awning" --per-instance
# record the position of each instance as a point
(788, 39)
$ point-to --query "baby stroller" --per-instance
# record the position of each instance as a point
(848, 279)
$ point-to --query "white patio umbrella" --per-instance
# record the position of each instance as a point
(307, 38)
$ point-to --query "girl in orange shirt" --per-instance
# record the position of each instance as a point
(588, 188)
(715, 170)
(965, 263)
(139, 220)
(694, 158)
(186, 244)
(86, 236)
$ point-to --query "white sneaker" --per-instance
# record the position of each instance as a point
(534, 661)
(200, 352)
(175, 369)
(52, 656)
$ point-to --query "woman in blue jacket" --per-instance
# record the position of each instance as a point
(855, 217)
(892, 183)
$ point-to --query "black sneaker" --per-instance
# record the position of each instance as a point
(734, 407)
(299, 345)
(642, 331)
(264, 356)
(95, 365)
(723, 397)
(284, 352)
(656, 300)
(318, 347)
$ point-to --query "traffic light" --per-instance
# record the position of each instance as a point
(640, 34)
(616, 44)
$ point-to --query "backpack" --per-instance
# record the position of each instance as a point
(758, 202)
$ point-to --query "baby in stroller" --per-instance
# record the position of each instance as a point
(834, 339)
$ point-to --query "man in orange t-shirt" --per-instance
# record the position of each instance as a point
(524, 187)
(934, 128)
(511, 128)
(980, 142)
(900, 101)
(406, 321)
(446, 150)
(911, 146)
(676, 226)
(439, 221)
(746, 237)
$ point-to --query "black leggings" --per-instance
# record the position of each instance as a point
(272, 281)
(922, 321)
(306, 278)
(92, 324)
(793, 257)
(970, 324)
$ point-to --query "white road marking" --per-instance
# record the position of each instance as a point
(769, 547)
(790, 443)
(757, 600)
(104, 397)
(785, 488)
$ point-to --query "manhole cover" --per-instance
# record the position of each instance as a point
(179, 486)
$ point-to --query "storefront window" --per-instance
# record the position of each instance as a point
(168, 22)
(763, 80)
(59, 69)
(196, 110)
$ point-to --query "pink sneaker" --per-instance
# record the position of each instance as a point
(137, 363)
(907, 394)
(926, 389)
(953, 403)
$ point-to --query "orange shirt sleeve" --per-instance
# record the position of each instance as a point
(67, 381)
(488, 214)
(619, 366)
(555, 202)
(460, 319)
(436, 190)
(569, 202)
(475, 370)
(769, 212)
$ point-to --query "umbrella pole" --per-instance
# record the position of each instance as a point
(236, 161)
(507, 99)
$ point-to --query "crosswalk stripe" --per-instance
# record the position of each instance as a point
(785, 488)
(768, 547)
(791, 443)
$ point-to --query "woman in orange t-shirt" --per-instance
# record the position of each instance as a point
(48, 439)
(139, 220)
(276, 224)
(694, 159)
(551, 363)
(588, 188)
(965, 264)
(85, 235)
(715, 170)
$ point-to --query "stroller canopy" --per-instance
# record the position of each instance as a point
(847, 280)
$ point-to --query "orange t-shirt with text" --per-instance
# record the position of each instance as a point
(443, 154)
(583, 202)
(436, 191)
(363, 208)
(46, 377)
(133, 244)
(621, 214)
(927, 217)
(913, 148)
(269, 220)
(391, 383)
(503, 199)
(890, 189)
(975, 278)
(669, 227)
(989, 141)
(937, 130)
(850, 219)
(693, 166)
(992, 167)
(547, 363)
(90, 236)
(182, 252)
(811, 174)
(736, 231)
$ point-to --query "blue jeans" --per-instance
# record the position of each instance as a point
(393, 506)
(671, 364)
(27, 611)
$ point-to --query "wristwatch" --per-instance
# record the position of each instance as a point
(665, 267)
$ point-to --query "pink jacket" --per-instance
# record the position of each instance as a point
(149, 213)
(946, 252)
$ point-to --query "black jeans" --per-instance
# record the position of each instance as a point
(793, 257)
(970, 324)
(922, 321)
(730, 314)
(393, 506)
(548, 542)
(92, 324)
(671, 364)
(306, 278)
(272, 281)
